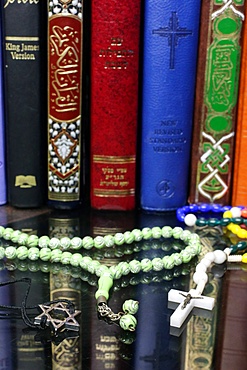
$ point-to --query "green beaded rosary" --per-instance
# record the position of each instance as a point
(65, 252)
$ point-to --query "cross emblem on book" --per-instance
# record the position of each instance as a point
(173, 32)
(187, 301)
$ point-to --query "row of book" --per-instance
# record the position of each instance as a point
(122, 103)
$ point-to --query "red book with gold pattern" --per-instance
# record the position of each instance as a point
(64, 101)
(114, 102)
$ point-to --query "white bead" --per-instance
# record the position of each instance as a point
(200, 276)
(206, 262)
(201, 267)
(236, 211)
(234, 258)
(220, 256)
(190, 219)
(227, 251)
(210, 256)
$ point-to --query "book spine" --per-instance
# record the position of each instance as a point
(64, 102)
(169, 71)
(114, 103)
(25, 106)
(239, 186)
(3, 184)
(216, 101)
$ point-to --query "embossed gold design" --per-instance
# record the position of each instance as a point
(25, 181)
(113, 193)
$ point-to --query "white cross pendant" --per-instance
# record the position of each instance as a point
(187, 301)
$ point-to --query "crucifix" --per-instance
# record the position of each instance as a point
(187, 301)
(173, 32)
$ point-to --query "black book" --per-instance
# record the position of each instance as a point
(24, 49)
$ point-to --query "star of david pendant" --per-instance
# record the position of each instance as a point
(58, 317)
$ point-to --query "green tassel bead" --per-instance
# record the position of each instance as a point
(130, 306)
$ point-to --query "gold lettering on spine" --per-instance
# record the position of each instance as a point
(8, 2)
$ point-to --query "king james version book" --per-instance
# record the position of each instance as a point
(24, 30)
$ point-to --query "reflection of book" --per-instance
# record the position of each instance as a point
(68, 353)
(169, 71)
(64, 102)
(239, 187)
(216, 98)
(3, 195)
(24, 76)
(114, 102)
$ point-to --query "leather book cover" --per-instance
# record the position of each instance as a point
(65, 35)
(115, 36)
(216, 101)
(170, 43)
(25, 90)
(3, 184)
(239, 186)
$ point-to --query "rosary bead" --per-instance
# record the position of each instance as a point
(204, 207)
(244, 212)
(157, 264)
(22, 252)
(99, 242)
(185, 236)
(166, 232)
(56, 255)
(177, 231)
(244, 258)
(10, 252)
(22, 240)
(119, 238)
(190, 219)
(45, 254)
(65, 243)
(210, 256)
(201, 222)
(168, 262)
(156, 232)
(135, 266)
(15, 236)
(128, 322)
(32, 241)
(146, 265)
(206, 262)
(101, 270)
(109, 241)
(220, 256)
(128, 237)
(54, 243)
(177, 259)
(33, 253)
(201, 267)
(87, 242)
(200, 276)
(137, 235)
(242, 233)
(147, 233)
(7, 233)
(43, 241)
(124, 267)
(65, 258)
(235, 211)
(116, 272)
(75, 260)
(130, 306)
(76, 243)
(227, 214)
(186, 256)
(92, 266)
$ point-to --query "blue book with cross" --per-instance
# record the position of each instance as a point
(170, 45)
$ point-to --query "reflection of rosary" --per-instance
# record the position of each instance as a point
(65, 252)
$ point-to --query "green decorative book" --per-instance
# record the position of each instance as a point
(216, 100)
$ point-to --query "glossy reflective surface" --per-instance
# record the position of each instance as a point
(209, 340)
